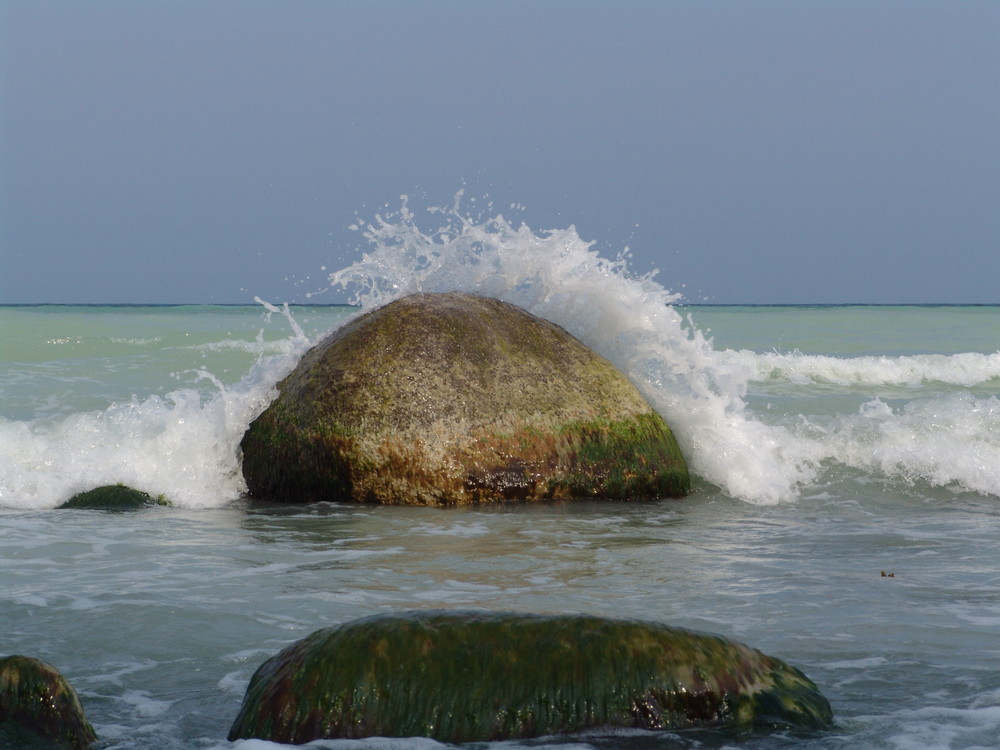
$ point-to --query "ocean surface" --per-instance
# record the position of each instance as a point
(829, 445)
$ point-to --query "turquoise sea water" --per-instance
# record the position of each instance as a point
(829, 445)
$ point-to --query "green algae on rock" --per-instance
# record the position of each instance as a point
(453, 399)
(113, 497)
(39, 707)
(473, 676)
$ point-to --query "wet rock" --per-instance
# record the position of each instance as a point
(39, 708)
(469, 677)
(452, 399)
(113, 497)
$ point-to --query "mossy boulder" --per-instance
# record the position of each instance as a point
(113, 497)
(453, 399)
(39, 708)
(470, 677)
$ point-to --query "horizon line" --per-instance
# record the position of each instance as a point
(346, 304)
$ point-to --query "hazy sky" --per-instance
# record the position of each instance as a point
(754, 151)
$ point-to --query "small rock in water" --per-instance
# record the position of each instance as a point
(113, 497)
(453, 399)
(476, 677)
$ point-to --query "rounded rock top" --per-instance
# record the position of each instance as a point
(461, 676)
(451, 399)
(38, 707)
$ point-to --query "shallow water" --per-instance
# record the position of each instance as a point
(160, 617)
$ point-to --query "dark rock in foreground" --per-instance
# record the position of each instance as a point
(38, 707)
(113, 497)
(467, 677)
(453, 398)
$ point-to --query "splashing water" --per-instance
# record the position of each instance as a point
(183, 444)
(629, 319)
(923, 418)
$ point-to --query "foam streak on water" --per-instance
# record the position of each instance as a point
(966, 369)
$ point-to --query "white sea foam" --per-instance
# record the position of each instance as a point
(453, 529)
(941, 727)
(143, 705)
(954, 438)
(700, 391)
(184, 445)
(965, 369)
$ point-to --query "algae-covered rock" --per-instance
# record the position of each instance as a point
(466, 677)
(113, 497)
(38, 707)
(453, 398)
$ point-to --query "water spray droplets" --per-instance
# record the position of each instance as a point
(629, 319)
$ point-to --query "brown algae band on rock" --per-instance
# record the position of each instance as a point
(39, 707)
(466, 677)
(451, 399)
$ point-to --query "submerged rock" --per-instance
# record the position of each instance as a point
(468, 677)
(453, 398)
(113, 497)
(38, 707)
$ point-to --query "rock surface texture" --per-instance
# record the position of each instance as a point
(468, 677)
(38, 707)
(452, 399)
(113, 497)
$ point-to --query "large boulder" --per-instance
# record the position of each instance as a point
(470, 677)
(451, 399)
(39, 708)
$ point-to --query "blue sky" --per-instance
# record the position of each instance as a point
(754, 152)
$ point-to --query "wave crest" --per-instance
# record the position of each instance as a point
(630, 319)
